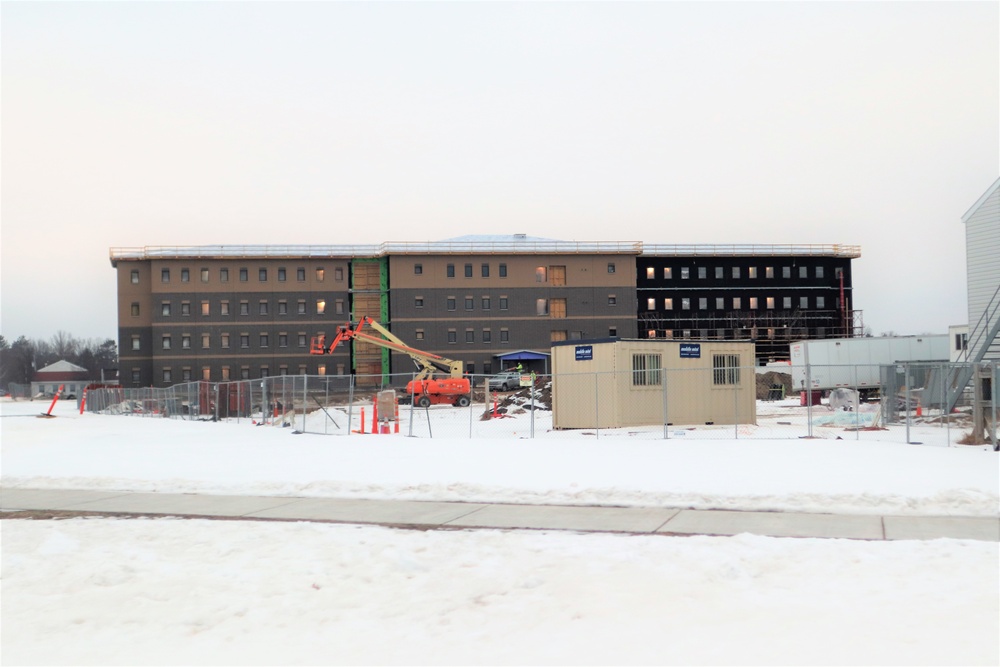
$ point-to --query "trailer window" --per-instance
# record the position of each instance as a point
(725, 369)
(646, 370)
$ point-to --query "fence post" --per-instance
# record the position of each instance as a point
(736, 403)
(350, 403)
(472, 387)
(907, 407)
(597, 404)
(532, 409)
(666, 418)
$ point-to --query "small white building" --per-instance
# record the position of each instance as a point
(46, 380)
(611, 383)
(982, 253)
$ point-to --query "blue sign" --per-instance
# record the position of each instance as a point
(584, 352)
(690, 350)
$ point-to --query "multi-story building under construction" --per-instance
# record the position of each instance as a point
(243, 312)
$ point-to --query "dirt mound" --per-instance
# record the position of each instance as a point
(772, 380)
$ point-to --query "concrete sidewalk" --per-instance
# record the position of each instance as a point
(442, 515)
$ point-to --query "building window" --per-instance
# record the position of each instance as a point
(803, 272)
(503, 303)
(264, 371)
(450, 271)
(320, 306)
(244, 307)
(752, 272)
(301, 339)
(320, 274)
(646, 369)
(206, 309)
(185, 275)
(737, 303)
(418, 269)
(338, 274)
(469, 301)
(540, 274)
(803, 302)
(135, 310)
(136, 376)
(541, 306)
(338, 306)
(224, 307)
(612, 331)
(487, 336)
(224, 339)
(611, 267)
(167, 378)
(819, 271)
(282, 307)
(753, 303)
(736, 272)
(702, 273)
(245, 341)
(206, 373)
(451, 303)
(262, 308)
(166, 341)
(470, 368)
(651, 303)
(225, 373)
(418, 302)
(468, 270)
(786, 272)
(485, 303)
(264, 340)
(206, 341)
(685, 303)
(702, 303)
(557, 308)
(557, 276)
(821, 302)
(725, 369)
(186, 308)
(282, 275)
(186, 374)
(300, 274)
(135, 343)
(718, 273)
(485, 270)
(651, 333)
(262, 275)
(786, 302)
(557, 335)
(186, 342)
(470, 336)
(419, 334)
(770, 303)
(301, 307)
(244, 275)
(685, 273)
(165, 309)
(135, 277)
(720, 303)
(612, 300)
(668, 304)
(223, 275)
(651, 273)
(452, 336)
(502, 270)
(321, 369)
(504, 335)
(244, 372)
(768, 271)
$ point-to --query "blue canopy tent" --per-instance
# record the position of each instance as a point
(527, 358)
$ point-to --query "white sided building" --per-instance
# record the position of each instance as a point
(982, 251)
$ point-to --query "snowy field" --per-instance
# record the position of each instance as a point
(170, 591)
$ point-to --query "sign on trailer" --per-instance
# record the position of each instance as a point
(584, 352)
(690, 350)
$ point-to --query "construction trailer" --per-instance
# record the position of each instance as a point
(610, 383)
(856, 363)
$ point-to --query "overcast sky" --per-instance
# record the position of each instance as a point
(188, 123)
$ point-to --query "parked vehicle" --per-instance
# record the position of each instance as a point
(505, 381)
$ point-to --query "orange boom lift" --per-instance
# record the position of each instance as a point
(430, 386)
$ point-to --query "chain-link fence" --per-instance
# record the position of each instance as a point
(921, 403)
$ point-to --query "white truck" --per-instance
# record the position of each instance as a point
(856, 362)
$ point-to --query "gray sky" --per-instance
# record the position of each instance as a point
(163, 123)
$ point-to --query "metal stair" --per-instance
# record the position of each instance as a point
(983, 341)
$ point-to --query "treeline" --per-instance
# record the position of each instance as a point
(19, 360)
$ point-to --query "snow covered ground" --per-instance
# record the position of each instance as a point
(169, 591)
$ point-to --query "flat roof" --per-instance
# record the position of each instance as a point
(492, 245)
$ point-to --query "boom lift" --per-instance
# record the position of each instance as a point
(427, 388)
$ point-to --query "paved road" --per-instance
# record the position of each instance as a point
(457, 515)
